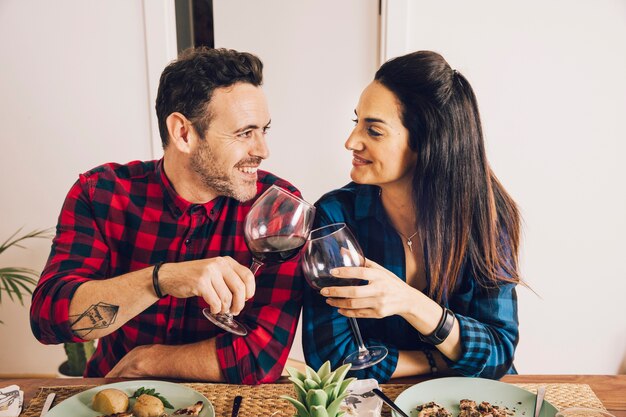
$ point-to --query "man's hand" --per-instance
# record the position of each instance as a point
(194, 362)
(224, 283)
(136, 364)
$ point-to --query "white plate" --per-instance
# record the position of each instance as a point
(449, 391)
(178, 395)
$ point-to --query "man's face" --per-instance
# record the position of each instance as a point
(227, 158)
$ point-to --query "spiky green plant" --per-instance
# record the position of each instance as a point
(16, 281)
(319, 394)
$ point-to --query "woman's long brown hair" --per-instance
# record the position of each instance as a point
(464, 214)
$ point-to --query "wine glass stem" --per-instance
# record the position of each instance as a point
(357, 335)
(255, 266)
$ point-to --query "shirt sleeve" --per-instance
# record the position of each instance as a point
(78, 254)
(271, 320)
(489, 329)
(327, 335)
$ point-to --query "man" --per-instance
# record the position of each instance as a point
(142, 248)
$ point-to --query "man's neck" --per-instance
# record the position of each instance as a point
(184, 181)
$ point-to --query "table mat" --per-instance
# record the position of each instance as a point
(264, 401)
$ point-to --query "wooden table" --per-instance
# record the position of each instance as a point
(610, 389)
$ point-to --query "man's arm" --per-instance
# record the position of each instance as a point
(98, 308)
(196, 362)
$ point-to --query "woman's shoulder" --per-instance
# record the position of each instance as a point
(341, 204)
(348, 193)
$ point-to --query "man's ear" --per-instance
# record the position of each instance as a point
(180, 131)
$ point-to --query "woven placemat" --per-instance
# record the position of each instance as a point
(264, 400)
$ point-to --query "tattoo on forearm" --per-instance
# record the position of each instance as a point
(98, 316)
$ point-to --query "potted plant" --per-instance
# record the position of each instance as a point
(77, 356)
(19, 282)
(16, 281)
(319, 394)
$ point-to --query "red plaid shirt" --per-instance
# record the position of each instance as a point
(121, 218)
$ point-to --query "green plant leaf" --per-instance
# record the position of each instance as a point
(35, 234)
(310, 384)
(300, 408)
(319, 411)
(311, 374)
(295, 373)
(324, 370)
(341, 372)
(333, 408)
(330, 391)
(301, 393)
(341, 388)
(316, 397)
(296, 381)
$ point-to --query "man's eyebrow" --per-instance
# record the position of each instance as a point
(371, 119)
(251, 126)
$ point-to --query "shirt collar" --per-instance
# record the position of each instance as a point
(178, 205)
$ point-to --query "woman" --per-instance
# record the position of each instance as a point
(439, 232)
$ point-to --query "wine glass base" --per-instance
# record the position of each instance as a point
(226, 322)
(362, 360)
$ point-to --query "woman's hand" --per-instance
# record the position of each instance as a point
(384, 295)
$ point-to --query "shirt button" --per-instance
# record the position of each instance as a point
(212, 212)
(187, 241)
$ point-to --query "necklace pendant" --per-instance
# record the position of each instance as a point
(410, 245)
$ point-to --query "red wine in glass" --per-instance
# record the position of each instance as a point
(275, 229)
(330, 247)
(275, 248)
(326, 280)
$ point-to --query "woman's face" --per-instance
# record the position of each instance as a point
(379, 141)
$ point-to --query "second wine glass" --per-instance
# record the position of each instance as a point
(334, 246)
(275, 229)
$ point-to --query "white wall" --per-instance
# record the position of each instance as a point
(73, 95)
(550, 78)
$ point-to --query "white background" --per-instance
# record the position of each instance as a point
(75, 91)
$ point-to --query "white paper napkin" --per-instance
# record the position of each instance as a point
(362, 402)
(11, 399)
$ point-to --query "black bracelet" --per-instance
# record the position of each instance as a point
(431, 361)
(442, 330)
(155, 280)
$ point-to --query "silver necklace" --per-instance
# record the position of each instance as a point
(409, 242)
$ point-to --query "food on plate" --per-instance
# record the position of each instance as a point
(148, 406)
(124, 414)
(484, 409)
(468, 409)
(192, 410)
(110, 401)
(432, 409)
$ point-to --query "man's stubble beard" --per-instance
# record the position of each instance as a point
(204, 164)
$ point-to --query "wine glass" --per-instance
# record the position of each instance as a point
(275, 229)
(331, 247)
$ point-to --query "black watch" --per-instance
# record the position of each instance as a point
(443, 329)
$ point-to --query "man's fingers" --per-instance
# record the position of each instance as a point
(211, 298)
(247, 278)
(238, 290)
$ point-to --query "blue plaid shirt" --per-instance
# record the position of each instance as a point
(487, 316)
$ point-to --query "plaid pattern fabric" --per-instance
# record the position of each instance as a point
(487, 316)
(121, 218)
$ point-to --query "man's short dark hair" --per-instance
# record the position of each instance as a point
(187, 84)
